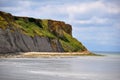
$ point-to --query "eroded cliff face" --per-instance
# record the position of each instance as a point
(25, 34)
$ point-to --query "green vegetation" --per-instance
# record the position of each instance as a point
(1, 18)
(28, 27)
(70, 44)
(44, 24)
(32, 29)
(3, 23)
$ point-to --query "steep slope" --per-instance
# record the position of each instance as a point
(26, 34)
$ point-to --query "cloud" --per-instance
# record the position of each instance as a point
(15, 7)
(71, 9)
(96, 7)
(93, 20)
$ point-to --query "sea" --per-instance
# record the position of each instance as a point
(105, 67)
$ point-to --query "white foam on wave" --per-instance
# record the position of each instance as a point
(73, 75)
(63, 74)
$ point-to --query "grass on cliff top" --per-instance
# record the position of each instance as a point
(71, 44)
(44, 24)
(31, 29)
(3, 23)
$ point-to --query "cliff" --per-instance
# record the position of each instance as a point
(26, 34)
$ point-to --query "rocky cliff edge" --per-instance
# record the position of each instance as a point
(26, 34)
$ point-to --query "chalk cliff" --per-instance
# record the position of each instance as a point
(26, 34)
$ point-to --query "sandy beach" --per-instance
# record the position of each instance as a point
(45, 54)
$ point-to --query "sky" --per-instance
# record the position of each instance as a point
(96, 23)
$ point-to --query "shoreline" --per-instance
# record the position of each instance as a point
(46, 54)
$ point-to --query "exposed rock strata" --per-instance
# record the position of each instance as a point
(25, 34)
